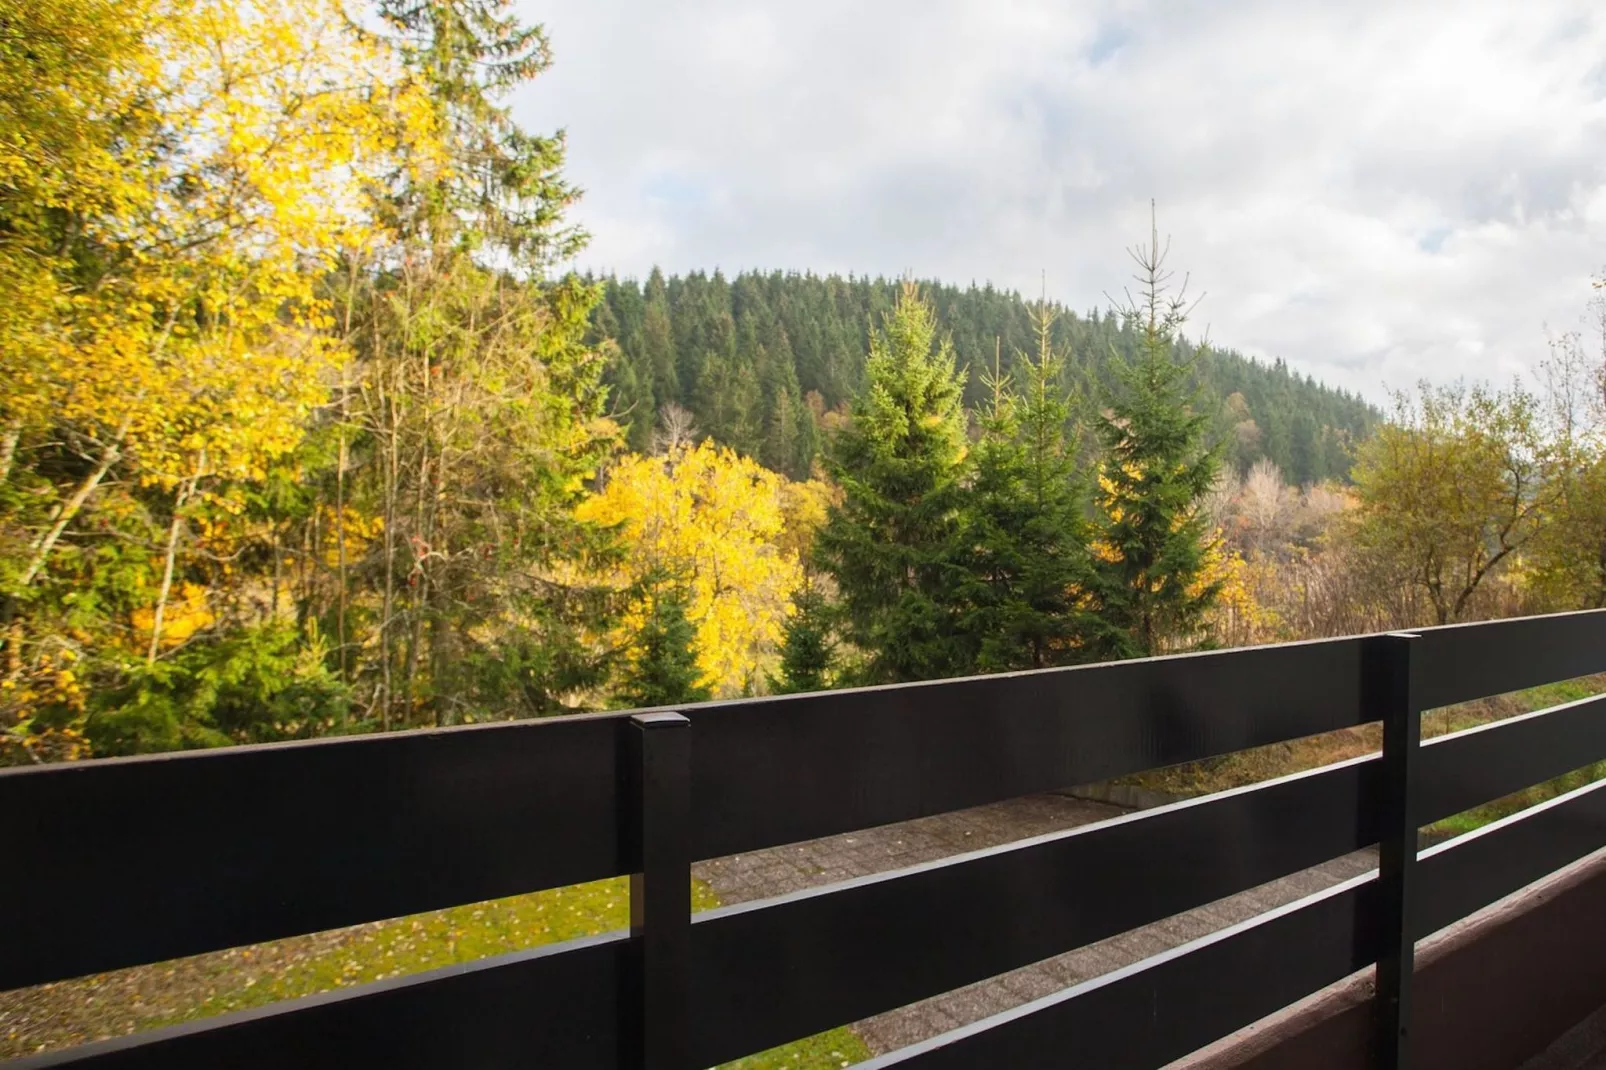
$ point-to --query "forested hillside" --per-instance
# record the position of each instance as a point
(307, 429)
(765, 361)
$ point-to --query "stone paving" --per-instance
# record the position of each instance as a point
(779, 870)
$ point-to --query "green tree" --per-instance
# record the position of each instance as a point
(664, 670)
(479, 410)
(808, 649)
(1568, 552)
(1153, 536)
(1027, 574)
(1304, 450)
(890, 543)
(1452, 488)
(658, 341)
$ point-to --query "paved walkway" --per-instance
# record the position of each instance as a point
(776, 871)
(779, 870)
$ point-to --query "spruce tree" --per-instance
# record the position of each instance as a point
(1028, 580)
(1304, 450)
(1153, 536)
(481, 402)
(664, 672)
(808, 651)
(890, 543)
(658, 340)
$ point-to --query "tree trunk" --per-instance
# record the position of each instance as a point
(278, 568)
(1599, 599)
(68, 510)
(174, 530)
(109, 455)
(8, 447)
(386, 631)
(340, 543)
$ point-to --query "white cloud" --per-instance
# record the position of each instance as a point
(1375, 191)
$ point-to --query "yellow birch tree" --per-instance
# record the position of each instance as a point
(715, 523)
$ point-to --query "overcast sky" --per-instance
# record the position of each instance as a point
(1375, 191)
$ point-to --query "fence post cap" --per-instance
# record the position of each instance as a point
(659, 720)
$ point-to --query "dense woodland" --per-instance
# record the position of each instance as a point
(305, 428)
(762, 360)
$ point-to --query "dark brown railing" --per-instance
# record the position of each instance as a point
(122, 862)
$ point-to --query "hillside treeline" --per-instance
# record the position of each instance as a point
(764, 361)
(305, 430)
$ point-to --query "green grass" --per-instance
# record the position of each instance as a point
(422, 942)
(463, 934)
(1280, 759)
(1490, 812)
(1534, 698)
(839, 1047)
(144, 997)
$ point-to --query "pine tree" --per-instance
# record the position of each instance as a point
(808, 651)
(1027, 587)
(1153, 537)
(890, 543)
(664, 672)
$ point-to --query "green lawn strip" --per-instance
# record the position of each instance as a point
(838, 1047)
(1490, 812)
(1257, 764)
(427, 941)
(1534, 698)
(422, 942)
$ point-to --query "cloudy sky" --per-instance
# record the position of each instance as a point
(1375, 191)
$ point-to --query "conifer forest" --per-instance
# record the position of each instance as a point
(307, 430)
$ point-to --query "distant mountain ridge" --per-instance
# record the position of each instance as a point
(765, 361)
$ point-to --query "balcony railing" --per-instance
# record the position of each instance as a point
(121, 862)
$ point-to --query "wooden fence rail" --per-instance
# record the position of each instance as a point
(122, 862)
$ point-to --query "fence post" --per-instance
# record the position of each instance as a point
(654, 1031)
(1388, 695)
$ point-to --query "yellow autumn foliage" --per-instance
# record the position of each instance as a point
(358, 529)
(252, 128)
(49, 680)
(187, 612)
(1237, 618)
(223, 157)
(726, 528)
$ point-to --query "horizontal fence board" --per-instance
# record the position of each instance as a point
(1163, 1008)
(125, 861)
(1466, 769)
(774, 771)
(230, 847)
(215, 849)
(555, 1006)
(1466, 874)
(767, 973)
(1174, 1003)
(1462, 662)
(1159, 1010)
